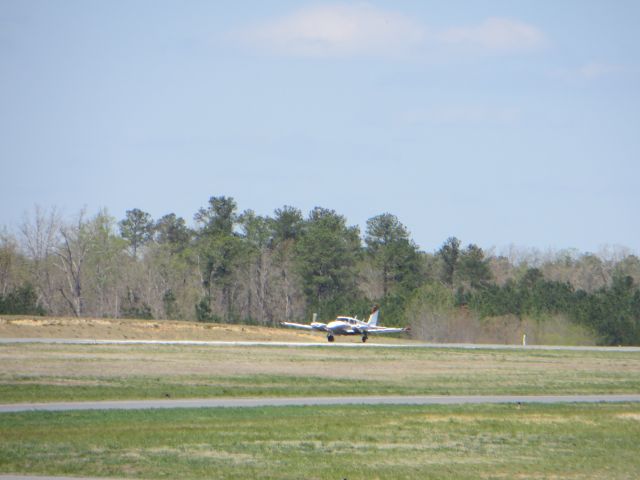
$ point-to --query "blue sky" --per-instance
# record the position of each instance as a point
(499, 122)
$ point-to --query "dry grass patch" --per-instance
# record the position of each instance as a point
(39, 372)
(630, 416)
(128, 329)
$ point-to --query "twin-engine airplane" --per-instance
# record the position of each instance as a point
(348, 326)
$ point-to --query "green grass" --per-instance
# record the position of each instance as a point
(583, 441)
(38, 389)
(38, 373)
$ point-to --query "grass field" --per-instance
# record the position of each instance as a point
(581, 441)
(356, 442)
(39, 372)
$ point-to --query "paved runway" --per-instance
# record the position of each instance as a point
(337, 344)
(315, 401)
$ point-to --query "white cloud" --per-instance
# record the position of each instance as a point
(494, 35)
(343, 30)
(337, 30)
(596, 70)
(590, 71)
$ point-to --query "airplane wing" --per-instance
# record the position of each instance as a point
(314, 326)
(371, 330)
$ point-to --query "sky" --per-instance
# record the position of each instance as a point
(498, 122)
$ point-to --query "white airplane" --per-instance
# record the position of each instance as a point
(348, 326)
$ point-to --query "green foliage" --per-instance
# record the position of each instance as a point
(172, 230)
(219, 260)
(287, 224)
(472, 267)
(137, 228)
(435, 295)
(262, 269)
(531, 295)
(135, 307)
(397, 261)
(105, 262)
(614, 313)
(22, 300)
(219, 217)
(169, 302)
(449, 253)
(203, 311)
(326, 255)
(393, 253)
(219, 250)
(9, 260)
(257, 231)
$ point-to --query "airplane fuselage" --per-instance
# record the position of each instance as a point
(347, 326)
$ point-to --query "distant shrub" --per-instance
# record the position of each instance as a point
(134, 307)
(21, 300)
(204, 313)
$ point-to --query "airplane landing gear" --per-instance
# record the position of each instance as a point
(364, 338)
(330, 337)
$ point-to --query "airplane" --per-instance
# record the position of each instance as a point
(344, 325)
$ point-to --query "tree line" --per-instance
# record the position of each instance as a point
(241, 267)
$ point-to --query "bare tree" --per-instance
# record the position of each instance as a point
(40, 235)
(103, 266)
(71, 255)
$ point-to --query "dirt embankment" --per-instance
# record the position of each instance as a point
(125, 329)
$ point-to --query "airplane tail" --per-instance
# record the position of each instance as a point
(373, 318)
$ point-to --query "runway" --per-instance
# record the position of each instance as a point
(315, 401)
(337, 344)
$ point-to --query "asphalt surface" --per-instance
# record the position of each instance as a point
(337, 344)
(314, 401)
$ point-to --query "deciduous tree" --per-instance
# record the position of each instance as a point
(40, 237)
(71, 254)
